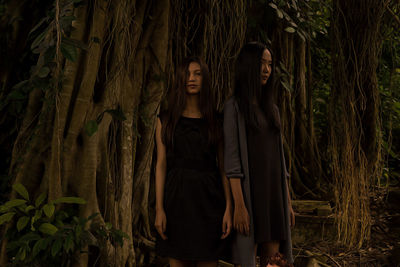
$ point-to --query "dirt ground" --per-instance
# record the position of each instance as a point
(382, 250)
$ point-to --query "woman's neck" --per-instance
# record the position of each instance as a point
(192, 108)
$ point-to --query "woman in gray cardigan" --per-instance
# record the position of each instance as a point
(255, 164)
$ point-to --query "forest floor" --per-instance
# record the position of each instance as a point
(382, 250)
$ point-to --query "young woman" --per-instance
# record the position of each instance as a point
(193, 203)
(254, 162)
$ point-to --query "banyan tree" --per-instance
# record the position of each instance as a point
(83, 80)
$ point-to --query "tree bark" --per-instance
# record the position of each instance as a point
(354, 105)
(111, 168)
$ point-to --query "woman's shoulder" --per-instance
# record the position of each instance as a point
(231, 104)
(231, 101)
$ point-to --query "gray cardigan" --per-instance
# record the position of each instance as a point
(236, 166)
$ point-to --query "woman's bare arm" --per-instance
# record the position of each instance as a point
(241, 220)
(227, 220)
(161, 170)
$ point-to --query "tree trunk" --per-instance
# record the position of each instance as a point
(302, 147)
(130, 61)
(128, 46)
(354, 105)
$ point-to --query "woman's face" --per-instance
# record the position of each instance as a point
(194, 78)
(266, 66)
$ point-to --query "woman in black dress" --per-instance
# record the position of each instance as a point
(254, 162)
(193, 206)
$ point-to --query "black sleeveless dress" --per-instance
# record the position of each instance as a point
(194, 201)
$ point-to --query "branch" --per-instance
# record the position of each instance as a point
(396, 18)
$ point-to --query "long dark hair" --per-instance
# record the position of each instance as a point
(248, 90)
(177, 102)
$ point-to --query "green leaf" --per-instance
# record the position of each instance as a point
(62, 215)
(320, 100)
(119, 236)
(14, 203)
(31, 236)
(391, 152)
(69, 243)
(91, 217)
(283, 67)
(48, 209)
(16, 95)
(116, 114)
(302, 36)
(49, 55)
(22, 207)
(38, 215)
(290, 29)
(22, 222)
(39, 49)
(39, 39)
(91, 127)
(48, 228)
(21, 254)
(44, 72)
(39, 200)
(273, 5)
(20, 84)
(286, 85)
(21, 190)
(76, 43)
(38, 25)
(13, 245)
(123, 234)
(396, 106)
(69, 51)
(279, 14)
(78, 232)
(70, 200)
(6, 217)
(41, 244)
(57, 245)
(29, 208)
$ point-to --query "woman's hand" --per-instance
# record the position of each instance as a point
(226, 223)
(161, 223)
(241, 219)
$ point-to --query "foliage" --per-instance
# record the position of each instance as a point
(45, 235)
(389, 88)
(43, 37)
(203, 28)
(305, 18)
(34, 67)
